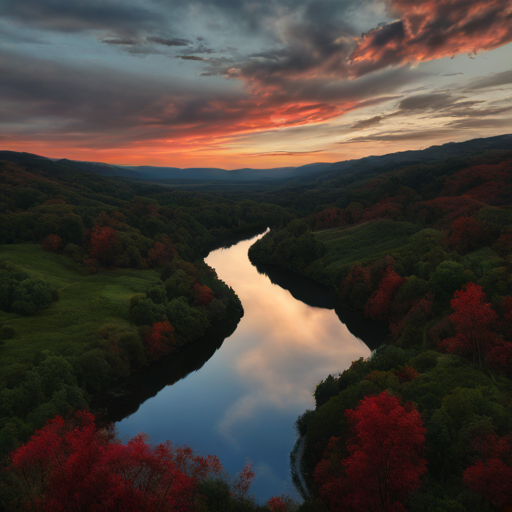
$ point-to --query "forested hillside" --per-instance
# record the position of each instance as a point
(424, 424)
(99, 278)
(102, 277)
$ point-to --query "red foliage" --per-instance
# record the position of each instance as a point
(472, 318)
(277, 504)
(203, 294)
(418, 313)
(486, 183)
(379, 305)
(491, 475)
(102, 245)
(52, 243)
(444, 210)
(156, 255)
(499, 357)
(160, 340)
(331, 218)
(73, 465)
(162, 252)
(387, 208)
(406, 374)
(385, 463)
(466, 234)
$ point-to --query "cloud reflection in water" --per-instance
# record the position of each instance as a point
(242, 404)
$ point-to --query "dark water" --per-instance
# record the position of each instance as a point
(244, 399)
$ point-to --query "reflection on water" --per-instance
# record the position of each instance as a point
(244, 401)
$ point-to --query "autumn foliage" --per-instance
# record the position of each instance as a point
(102, 245)
(472, 318)
(466, 234)
(378, 306)
(385, 460)
(74, 466)
(160, 340)
(52, 243)
(203, 294)
(491, 475)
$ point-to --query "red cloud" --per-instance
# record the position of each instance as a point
(433, 29)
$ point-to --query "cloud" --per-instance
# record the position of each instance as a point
(427, 102)
(189, 57)
(367, 123)
(80, 15)
(400, 136)
(285, 153)
(493, 80)
(433, 29)
(174, 41)
(482, 123)
(118, 41)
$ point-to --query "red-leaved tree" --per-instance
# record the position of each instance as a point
(491, 475)
(71, 466)
(52, 243)
(160, 340)
(379, 305)
(203, 294)
(385, 464)
(466, 234)
(102, 245)
(472, 318)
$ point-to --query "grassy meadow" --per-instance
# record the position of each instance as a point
(359, 244)
(86, 302)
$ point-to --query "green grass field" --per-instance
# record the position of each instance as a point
(363, 243)
(86, 302)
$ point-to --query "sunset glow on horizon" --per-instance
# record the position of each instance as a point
(233, 84)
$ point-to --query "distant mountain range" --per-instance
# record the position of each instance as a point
(162, 174)
(169, 174)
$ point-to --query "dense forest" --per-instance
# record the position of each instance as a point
(426, 422)
(101, 277)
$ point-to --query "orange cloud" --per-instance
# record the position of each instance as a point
(433, 29)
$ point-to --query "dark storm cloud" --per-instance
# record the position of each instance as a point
(79, 15)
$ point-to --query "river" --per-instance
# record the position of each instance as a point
(243, 401)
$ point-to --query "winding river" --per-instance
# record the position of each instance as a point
(242, 402)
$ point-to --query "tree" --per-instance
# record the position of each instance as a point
(385, 462)
(30, 296)
(490, 476)
(72, 465)
(52, 243)
(203, 294)
(160, 340)
(378, 306)
(102, 245)
(472, 318)
(466, 234)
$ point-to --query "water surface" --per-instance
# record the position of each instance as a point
(243, 402)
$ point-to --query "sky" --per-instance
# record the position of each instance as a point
(250, 83)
